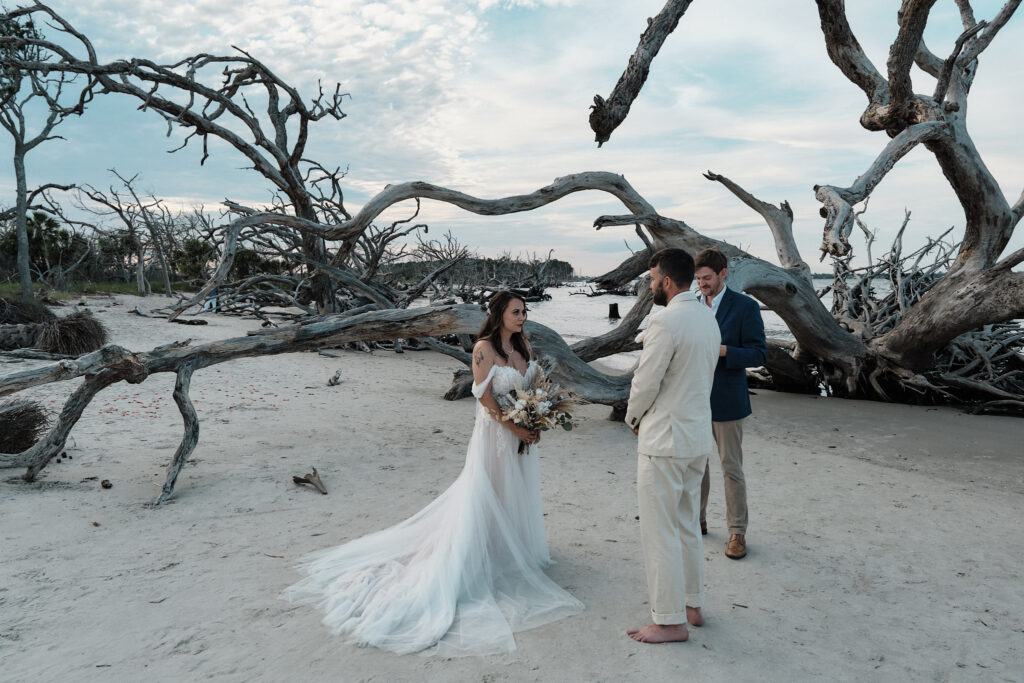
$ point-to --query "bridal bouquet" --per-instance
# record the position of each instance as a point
(538, 407)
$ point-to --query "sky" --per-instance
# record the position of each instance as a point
(491, 98)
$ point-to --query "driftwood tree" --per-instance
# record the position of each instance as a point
(143, 224)
(209, 95)
(848, 357)
(980, 287)
(113, 364)
(22, 91)
(219, 96)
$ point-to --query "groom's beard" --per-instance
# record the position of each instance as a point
(660, 298)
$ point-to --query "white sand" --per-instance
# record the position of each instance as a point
(885, 541)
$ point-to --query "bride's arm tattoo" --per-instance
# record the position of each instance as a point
(478, 357)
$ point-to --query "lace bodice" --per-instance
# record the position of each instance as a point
(505, 378)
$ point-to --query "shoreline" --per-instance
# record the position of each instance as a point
(879, 543)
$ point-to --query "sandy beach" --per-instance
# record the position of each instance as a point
(885, 541)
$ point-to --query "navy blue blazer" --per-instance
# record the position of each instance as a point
(739, 319)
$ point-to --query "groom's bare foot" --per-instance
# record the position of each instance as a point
(658, 633)
(693, 616)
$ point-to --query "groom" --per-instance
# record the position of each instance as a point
(670, 410)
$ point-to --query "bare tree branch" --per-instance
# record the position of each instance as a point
(779, 220)
(912, 17)
(606, 115)
(837, 201)
(927, 61)
(947, 66)
(112, 364)
(991, 29)
(846, 53)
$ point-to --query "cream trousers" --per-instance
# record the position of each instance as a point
(668, 491)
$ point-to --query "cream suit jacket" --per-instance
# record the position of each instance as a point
(670, 397)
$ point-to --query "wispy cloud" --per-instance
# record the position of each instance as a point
(491, 97)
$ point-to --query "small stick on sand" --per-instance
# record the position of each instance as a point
(313, 479)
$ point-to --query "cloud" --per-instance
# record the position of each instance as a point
(491, 97)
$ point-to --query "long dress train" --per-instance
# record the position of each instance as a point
(460, 576)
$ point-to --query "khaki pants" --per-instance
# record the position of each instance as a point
(668, 490)
(729, 439)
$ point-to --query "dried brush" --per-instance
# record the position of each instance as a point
(22, 423)
(21, 311)
(72, 335)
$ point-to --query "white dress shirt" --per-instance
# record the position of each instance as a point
(714, 302)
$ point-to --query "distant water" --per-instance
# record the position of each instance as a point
(577, 317)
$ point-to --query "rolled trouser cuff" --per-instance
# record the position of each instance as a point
(673, 619)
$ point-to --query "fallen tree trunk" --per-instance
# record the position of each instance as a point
(112, 364)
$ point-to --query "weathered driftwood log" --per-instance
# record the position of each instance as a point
(784, 372)
(858, 357)
(32, 354)
(112, 364)
(786, 290)
(462, 385)
(20, 336)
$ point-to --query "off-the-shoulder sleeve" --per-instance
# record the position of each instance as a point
(479, 389)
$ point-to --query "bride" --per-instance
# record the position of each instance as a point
(464, 573)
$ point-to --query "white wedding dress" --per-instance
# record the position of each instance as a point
(464, 573)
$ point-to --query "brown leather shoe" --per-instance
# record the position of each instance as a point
(703, 528)
(737, 547)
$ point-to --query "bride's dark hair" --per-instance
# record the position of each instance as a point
(491, 329)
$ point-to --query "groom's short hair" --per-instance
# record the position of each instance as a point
(675, 263)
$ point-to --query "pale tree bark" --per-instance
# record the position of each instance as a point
(21, 208)
(977, 290)
(780, 222)
(625, 272)
(606, 115)
(788, 291)
(622, 338)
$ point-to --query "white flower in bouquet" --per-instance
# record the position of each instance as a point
(538, 407)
